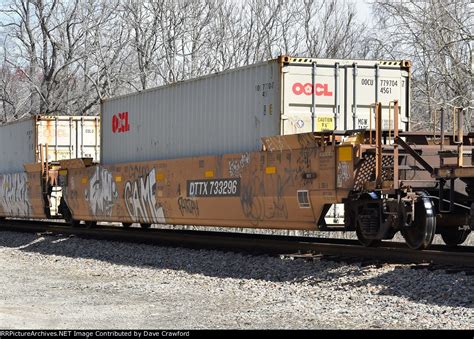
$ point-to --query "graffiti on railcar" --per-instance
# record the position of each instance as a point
(237, 165)
(188, 206)
(140, 200)
(101, 193)
(253, 193)
(343, 173)
(14, 194)
(251, 200)
(306, 153)
(278, 207)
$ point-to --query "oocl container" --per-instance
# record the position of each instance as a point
(66, 137)
(230, 111)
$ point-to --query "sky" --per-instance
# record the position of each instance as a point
(363, 10)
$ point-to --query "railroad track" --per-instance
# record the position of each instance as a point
(308, 248)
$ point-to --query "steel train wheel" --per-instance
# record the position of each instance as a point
(126, 224)
(420, 232)
(454, 237)
(143, 225)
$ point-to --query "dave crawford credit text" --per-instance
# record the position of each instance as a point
(96, 333)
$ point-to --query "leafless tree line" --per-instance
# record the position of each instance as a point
(437, 36)
(64, 56)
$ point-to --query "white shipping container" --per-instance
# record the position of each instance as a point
(66, 137)
(230, 111)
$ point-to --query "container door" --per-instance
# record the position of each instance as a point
(343, 94)
(301, 97)
(57, 133)
(88, 138)
(367, 85)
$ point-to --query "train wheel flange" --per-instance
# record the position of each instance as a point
(420, 231)
(454, 237)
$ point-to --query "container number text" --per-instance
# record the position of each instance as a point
(214, 188)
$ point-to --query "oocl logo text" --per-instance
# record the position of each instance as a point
(120, 123)
(319, 89)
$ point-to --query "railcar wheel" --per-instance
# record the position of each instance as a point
(126, 224)
(419, 233)
(454, 237)
(143, 225)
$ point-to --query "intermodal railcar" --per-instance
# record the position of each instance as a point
(387, 179)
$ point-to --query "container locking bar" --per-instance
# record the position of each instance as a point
(313, 95)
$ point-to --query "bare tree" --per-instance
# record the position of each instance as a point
(331, 29)
(68, 55)
(436, 35)
(106, 61)
(141, 18)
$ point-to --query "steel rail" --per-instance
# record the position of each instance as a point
(389, 252)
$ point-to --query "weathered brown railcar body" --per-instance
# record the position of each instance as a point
(21, 195)
(285, 186)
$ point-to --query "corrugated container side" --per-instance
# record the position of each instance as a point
(230, 111)
(223, 113)
(67, 137)
(17, 145)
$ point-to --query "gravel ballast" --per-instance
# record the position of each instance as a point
(59, 282)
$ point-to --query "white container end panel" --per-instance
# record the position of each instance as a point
(69, 137)
(343, 95)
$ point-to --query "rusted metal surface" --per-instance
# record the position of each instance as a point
(456, 172)
(21, 195)
(66, 137)
(415, 155)
(290, 184)
(396, 184)
(280, 189)
(378, 145)
(69, 137)
(286, 186)
(289, 142)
